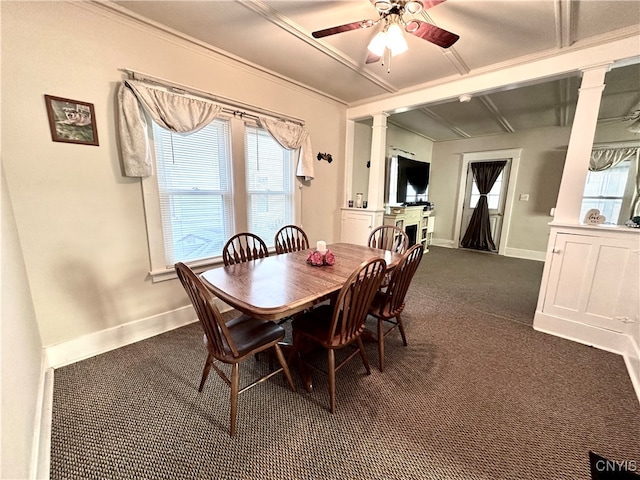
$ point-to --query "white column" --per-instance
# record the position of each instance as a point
(375, 196)
(583, 132)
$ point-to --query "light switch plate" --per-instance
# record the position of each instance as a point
(524, 197)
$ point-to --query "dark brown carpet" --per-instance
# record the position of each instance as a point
(477, 394)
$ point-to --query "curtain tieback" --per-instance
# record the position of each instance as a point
(484, 194)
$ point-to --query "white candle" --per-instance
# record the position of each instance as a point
(321, 246)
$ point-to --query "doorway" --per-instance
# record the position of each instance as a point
(500, 198)
(495, 200)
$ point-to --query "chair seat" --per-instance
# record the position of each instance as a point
(316, 325)
(380, 308)
(249, 334)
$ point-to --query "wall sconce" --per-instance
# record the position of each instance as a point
(325, 156)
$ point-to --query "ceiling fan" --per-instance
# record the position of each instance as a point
(390, 38)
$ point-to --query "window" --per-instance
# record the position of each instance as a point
(493, 197)
(605, 190)
(228, 177)
(269, 184)
(193, 173)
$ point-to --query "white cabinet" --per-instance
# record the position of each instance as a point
(594, 280)
(357, 224)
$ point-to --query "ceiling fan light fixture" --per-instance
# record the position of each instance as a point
(412, 25)
(413, 7)
(378, 43)
(395, 40)
(383, 5)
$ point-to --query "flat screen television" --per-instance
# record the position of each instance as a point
(407, 181)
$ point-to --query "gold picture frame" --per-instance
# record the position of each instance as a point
(71, 121)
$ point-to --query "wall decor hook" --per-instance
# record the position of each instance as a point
(325, 156)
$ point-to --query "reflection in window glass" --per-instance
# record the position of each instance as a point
(605, 191)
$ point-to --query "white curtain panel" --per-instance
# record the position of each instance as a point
(292, 136)
(177, 113)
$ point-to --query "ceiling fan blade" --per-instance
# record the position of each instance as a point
(436, 35)
(343, 28)
(372, 57)
(431, 3)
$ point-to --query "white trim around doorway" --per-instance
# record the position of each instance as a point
(514, 155)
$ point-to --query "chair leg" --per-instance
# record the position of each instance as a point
(401, 328)
(205, 371)
(381, 343)
(284, 365)
(331, 369)
(363, 355)
(235, 387)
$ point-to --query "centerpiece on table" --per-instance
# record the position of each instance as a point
(321, 256)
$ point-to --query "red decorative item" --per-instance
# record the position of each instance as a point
(317, 259)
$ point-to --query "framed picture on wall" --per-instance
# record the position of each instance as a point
(71, 121)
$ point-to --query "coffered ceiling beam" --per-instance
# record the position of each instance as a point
(504, 123)
(565, 22)
(439, 119)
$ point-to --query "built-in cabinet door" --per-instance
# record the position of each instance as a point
(595, 280)
(356, 226)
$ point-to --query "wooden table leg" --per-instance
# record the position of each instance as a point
(298, 364)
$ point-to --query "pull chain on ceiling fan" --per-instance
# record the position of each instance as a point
(390, 41)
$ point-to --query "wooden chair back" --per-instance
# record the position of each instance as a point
(389, 237)
(400, 280)
(291, 238)
(354, 300)
(210, 318)
(243, 247)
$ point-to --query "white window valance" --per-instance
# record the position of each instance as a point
(604, 158)
(177, 113)
(184, 114)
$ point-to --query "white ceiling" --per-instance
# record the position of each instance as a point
(276, 36)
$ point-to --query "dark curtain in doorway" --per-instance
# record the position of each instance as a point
(478, 234)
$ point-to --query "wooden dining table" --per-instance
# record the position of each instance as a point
(279, 286)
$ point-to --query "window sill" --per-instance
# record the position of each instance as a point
(198, 267)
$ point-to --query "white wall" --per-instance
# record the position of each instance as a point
(21, 355)
(410, 142)
(361, 155)
(539, 175)
(397, 137)
(80, 221)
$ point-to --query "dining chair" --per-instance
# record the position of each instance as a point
(243, 247)
(231, 342)
(389, 237)
(388, 304)
(337, 325)
(291, 238)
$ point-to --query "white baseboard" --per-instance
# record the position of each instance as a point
(509, 252)
(601, 338)
(41, 452)
(525, 254)
(100, 342)
(442, 242)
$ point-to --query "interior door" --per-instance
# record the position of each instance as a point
(496, 200)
